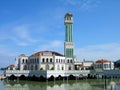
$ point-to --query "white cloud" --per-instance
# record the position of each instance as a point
(84, 5)
(73, 2)
(5, 51)
(94, 52)
(19, 34)
(23, 33)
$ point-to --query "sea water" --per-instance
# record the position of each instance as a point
(87, 84)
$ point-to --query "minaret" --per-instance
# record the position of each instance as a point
(68, 45)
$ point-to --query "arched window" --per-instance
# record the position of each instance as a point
(56, 60)
(59, 60)
(50, 59)
(69, 68)
(23, 61)
(62, 68)
(68, 61)
(46, 59)
(43, 60)
(26, 60)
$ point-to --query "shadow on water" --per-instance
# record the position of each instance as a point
(61, 85)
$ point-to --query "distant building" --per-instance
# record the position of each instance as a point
(103, 64)
(84, 65)
(11, 67)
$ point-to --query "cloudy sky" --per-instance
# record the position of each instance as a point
(29, 26)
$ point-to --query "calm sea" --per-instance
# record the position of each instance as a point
(111, 84)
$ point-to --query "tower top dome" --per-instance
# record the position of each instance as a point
(68, 19)
(68, 14)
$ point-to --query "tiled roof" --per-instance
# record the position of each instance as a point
(102, 61)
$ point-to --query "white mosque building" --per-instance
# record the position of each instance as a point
(51, 63)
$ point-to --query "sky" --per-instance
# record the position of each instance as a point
(29, 26)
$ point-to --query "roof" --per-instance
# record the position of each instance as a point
(22, 55)
(102, 61)
(12, 65)
(68, 14)
(47, 53)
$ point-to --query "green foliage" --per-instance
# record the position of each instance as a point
(41, 68)
(52, 68)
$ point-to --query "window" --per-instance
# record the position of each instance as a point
(56, 60)
(68, 61)
(50, 59)
(61, 60)
(26, 60)
(46, 59)
(34, 60)
(37, 60)
(23, 61)
(62, 68)
(69, 68)
(43, 60)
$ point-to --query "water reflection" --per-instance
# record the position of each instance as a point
(61, 85)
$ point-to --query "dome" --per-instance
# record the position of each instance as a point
(22, 55)
(102, 61)
(47, 53)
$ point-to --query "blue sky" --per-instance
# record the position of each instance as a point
(29, 26)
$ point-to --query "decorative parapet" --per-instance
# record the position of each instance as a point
(17, 73)
(46, 74)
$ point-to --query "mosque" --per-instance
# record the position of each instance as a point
(50, 60)
(51, 63)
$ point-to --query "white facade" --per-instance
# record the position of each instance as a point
(44, 60)
(21, 62)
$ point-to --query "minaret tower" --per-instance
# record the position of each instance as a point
(68, 45)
